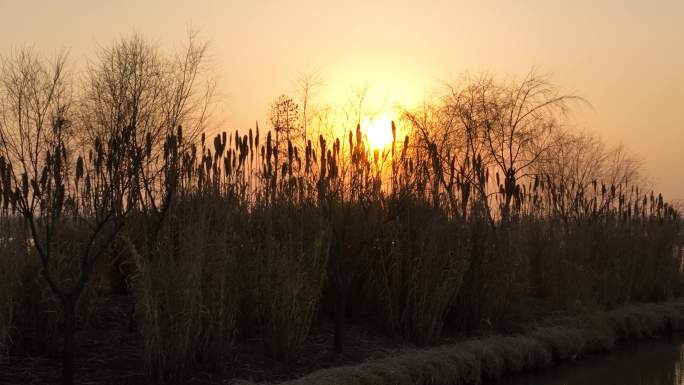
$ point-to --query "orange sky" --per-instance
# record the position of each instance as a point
(625, 57)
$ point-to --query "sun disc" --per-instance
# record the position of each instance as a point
(378, 131)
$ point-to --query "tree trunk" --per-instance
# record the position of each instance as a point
(69, 349)
(340, 312)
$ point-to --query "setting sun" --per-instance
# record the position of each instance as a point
(377, 131)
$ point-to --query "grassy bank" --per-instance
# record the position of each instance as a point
(488, 359)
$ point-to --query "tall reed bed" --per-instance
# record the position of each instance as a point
(260, 236)
(263, 239)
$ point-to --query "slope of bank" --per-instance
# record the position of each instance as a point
(477, 360)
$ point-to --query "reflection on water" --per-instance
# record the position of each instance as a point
(658, 362)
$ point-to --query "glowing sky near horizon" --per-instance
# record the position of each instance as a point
(625, 57)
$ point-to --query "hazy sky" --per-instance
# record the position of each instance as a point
(625, 57)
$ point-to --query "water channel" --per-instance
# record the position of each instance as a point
(655, 362)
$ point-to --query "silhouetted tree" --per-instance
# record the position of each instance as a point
(132, 84)
(73, 199)
(284, 118)
(308, 85)
(485, 124)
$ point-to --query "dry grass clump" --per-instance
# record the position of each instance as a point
(186, 296)
(563, 343)
(490, 360)
(500, 355)
(292, 255)
(500, 271)
(640, 321)
(418, 271)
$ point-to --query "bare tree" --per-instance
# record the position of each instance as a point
(308, 85)
(165, 100)
(582, 165)
(77, 169)
(284, 118)
(131, 83)
(354, 108)
(483, 124)
(623, 168)
(73, 199)
(518, 122)
(448, 131)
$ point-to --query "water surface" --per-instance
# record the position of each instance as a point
(655, 362)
